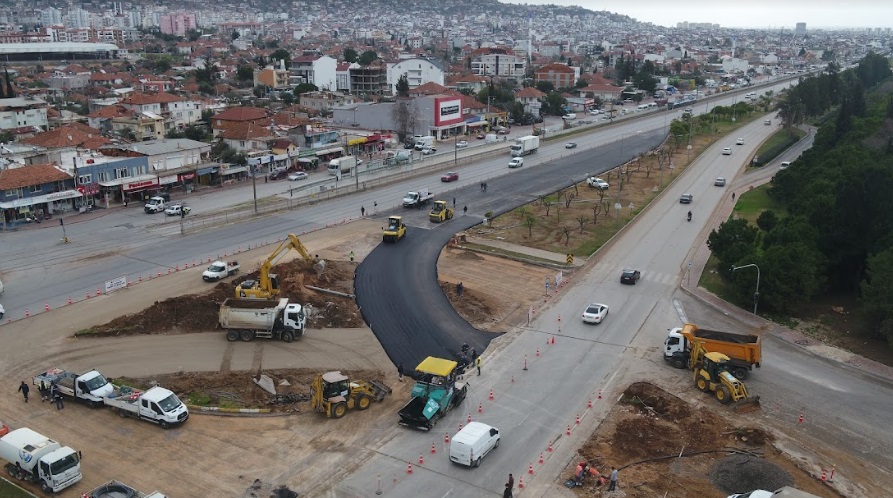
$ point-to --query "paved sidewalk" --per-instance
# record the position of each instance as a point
(554, 257)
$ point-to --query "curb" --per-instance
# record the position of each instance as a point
(235, 412)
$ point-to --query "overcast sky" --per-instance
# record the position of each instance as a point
(773, 14)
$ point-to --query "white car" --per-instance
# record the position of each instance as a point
(595, 313)
(719, 182)
(596, 182)
(785, 165)
(461, 144)
(727, 151)
(516, 162)
(740, 141)
(429, 150)
(176, 210)
(297, 175)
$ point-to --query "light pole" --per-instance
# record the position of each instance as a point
(456, 150)
(756, 294)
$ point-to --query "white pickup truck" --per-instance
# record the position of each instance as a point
(220, 269)
(157, 405)
(156, 204)
(90, 387)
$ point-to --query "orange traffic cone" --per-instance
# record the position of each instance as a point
(549, 449)
(409, 468)
(520, 482)
(541, 458)
(491, 394)
(568, 432)
(480, 408)
(433, 449)
(421, 459)
(577, 422)
(530, 469)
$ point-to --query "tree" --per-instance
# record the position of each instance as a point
(582, 220)
(528, 219)
(245, 73)
(732, 241)
(767, 220)
(544, 200)
(350, 55)
(367, 57)
(596, 209)
(404, 115)
(235, 36)
(287, 97)
(282, 55)
(403, 85)
(305, 88)
(877, 293)
(567, 234)
(545, 86)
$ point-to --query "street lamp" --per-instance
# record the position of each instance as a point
(756, 294)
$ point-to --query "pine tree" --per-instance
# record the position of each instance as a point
(9, 92)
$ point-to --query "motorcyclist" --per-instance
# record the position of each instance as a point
(689, 216)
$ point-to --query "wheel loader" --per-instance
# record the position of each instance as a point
(711, 374)
(333, 393)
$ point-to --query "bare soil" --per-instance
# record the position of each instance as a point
(198, 312)
(645, 433)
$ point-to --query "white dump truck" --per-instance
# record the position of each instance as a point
(246, 319)
(115, 489)
(90, 387)
(157, 405)
(220, 269)
(33, 457)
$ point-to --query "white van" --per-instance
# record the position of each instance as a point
(472, 443)
(642, 107)
(570, 116)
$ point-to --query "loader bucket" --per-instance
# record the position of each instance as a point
(747, 405)
(379, 390)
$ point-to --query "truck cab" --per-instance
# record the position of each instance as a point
(156, 204)
(90, 387)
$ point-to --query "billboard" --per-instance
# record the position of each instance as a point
(448, 111)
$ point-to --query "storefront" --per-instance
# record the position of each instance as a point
(326, 155)
(39, 207)
(207, 175)
(232, 173)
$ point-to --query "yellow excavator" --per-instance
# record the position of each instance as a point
(711, 374)
(333, 393)
(267, 285)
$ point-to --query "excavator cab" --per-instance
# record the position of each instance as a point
(267, 284)
(711, 374)
(333, 393)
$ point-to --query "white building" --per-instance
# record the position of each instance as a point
(418, 71)
(317, 69)
(20, 112)
(502, 65)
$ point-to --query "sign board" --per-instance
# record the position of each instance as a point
(559, 278)
(115, 284)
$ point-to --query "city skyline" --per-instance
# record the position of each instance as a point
(761, 14)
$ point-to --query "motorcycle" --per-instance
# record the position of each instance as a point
(689, 216)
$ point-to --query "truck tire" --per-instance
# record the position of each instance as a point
(363, 402)
(122, 413)
(449, 215)
(702, 384)
(339, 409)
(46, 488)
(287, 337)
(232, 335)
(247, 335)
(678, 363)
(12, 471)
(722, 395)
(740, 373)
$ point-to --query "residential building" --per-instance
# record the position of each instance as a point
(418, 71)
(499, 65)
(316, 69)
(560, 75)
(326, 100)
(275, 77)
(369, 80)
(236, 116)
(177, 23)
(176, 112)
(34, 192)
(531, 99)
(22, 112)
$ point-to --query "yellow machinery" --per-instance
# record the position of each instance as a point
(395, 231)
(711, 374)
(440, 212)
(267, 285)
(333, 393)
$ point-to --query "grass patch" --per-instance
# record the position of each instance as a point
(753, 202)
(776, 144)
(198, 399)
(10, 490)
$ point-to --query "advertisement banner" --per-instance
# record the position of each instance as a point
(448, 111)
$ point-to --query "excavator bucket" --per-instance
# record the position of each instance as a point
(747, 405)
(379, 390)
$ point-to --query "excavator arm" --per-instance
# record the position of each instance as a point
(265, 288)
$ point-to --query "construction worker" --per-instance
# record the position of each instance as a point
(477, 364)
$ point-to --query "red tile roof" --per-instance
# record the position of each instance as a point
(70, 135)
(35, 174)
(140, 98)
(241, 114)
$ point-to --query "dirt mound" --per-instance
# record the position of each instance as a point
(742, 473)
(471, 306)
(198, 312)
(238, 390)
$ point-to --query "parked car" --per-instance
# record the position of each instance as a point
(516, 162)
(297, 175)
(480, 136)
(461, 144)
(686, 199)
(719, 182)
(596, 182)
(595, 313)
(449, 176)
(503, 131)
(570, 145)
(429, 150)
(278, 173)
(727, 151)
(740, 141)
(630, 276)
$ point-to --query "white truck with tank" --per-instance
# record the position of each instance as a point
(220, 269)
(116, 489)
(90, 387)
(247, 319)
(417, 198)
(156, 203)
(31, 456)
(525, 145)
(341, 166)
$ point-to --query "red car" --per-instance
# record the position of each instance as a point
(449, 176)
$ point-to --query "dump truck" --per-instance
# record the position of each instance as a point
(116, 489)
(743, 350)
(395, 230)
(438, 389)
(440, 212)
(157, 405)
(417, 198)
(220, 269)
(333, 393)
(33, 457)
(247, 319)
(525, 145)
(90, 387)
